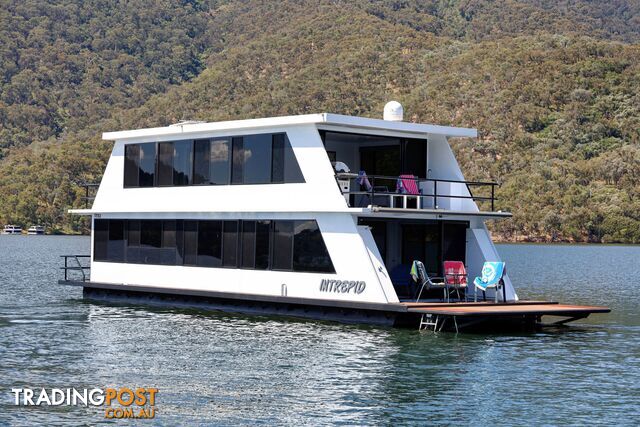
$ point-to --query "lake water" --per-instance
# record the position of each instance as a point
(214, 368)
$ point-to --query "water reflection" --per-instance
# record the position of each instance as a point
(231, 369)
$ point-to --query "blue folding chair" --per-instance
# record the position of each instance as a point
(492, 274)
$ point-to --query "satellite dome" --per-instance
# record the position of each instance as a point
(393, 111)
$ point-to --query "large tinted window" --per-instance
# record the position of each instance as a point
(151, 234)
(237, 170)
(190, 255)
(100, 239)
(414, 157)
(282, 245)
(147, 165)
(257, 159)
(165, 163)
(422, 242)
(252, 159)
(210, 243)
(309, 250)
(131, 165)
(230, 244)
(201, 161)
(266, 245)
(182, 153)
(285, 167)
(263, 231)
(454, 241)
(248, 244)
(220, 161)
(115, 248)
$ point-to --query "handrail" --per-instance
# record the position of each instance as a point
(81, 268)
(87, 198)
(372, 180)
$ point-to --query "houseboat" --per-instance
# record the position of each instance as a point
(12, 229)
(321, 215)
(35, 229)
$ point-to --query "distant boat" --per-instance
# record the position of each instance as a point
(12, 229)
(35, 229)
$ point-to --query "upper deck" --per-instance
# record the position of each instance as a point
(253, 169)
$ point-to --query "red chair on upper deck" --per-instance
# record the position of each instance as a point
(407, 185)
(455, 277)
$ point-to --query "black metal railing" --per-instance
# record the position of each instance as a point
(380, 190)
(75, 266)
(89, 192)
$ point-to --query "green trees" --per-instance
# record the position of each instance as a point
(554, 95)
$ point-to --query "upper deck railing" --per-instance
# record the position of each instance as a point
(380, 190)
(90, 189)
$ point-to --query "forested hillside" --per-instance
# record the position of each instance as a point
(552, 87)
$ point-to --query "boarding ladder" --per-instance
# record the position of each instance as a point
(432, 322)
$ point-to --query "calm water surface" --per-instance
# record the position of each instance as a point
(216, 368)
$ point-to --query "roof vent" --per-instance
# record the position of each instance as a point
(187, 122)
(393, 111)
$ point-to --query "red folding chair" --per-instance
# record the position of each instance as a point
(408, 186)
(455, 277)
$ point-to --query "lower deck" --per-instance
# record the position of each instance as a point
(437, 316)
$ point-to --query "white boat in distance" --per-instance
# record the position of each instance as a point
(12, 229)
(35, 229)
(254, 216)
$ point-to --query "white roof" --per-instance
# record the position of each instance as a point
(328, 119)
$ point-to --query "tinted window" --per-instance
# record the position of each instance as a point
(238, 161)
(179, 242)
(147, 164)
(252, 159)
(167, 255)
(100, 239)
(422, 242)
(257, 159)
(151, 234)
(262, 244)
(201, 163)
(165, 163)
(282, 245)
(182, 162)
(454, 242)
(131, 165)
(292, 173)
(210, 243)
(190, 242)
(168, 234)
(230, 244)
(248, 244)
(133, 238)
(133, 242)
(220, 161)
(277, 159)
(278, 245)
(309, 250)
(115, 250)
(415, 158)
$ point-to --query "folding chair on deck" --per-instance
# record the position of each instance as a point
(455, 276)
(492, 274)
(407, 186)
(419, 274)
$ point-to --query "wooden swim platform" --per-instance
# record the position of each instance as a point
(524, 314)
